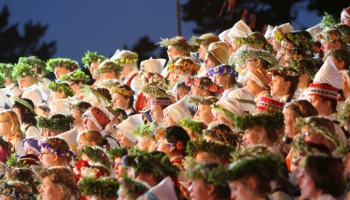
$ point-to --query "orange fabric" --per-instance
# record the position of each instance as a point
(140, 102)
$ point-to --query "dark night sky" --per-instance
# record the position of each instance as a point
(106, 25)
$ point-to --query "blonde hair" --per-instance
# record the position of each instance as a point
(9, 115)
(94, 136)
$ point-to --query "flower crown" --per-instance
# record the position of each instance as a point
(75, 76)
(23, 70)
(193, 125)
(107, 66)
(273, 119)
(203, 100)
(106, 187)
(155, 90)
(84, 169)
(204, 84)
(35, 63)
(329, 37)
(345, 29)
(61, 62)
(154, 79)
(8, 189)
(133, 58)
(6, 70)
(123, 91)
(118, 113)
(253, 40)
(59, 124)
(184, 66)
(297, 39)
(335, 53)
(248, 152)
(327, 21)
(284, 71)
(96, 155)
(245, 52)
(117, 153)
(304, 65)
(61, 87)
(133, 186)
(91, 57)
(218, 149)
(222, 69)
(145, 131)
(56, 151)
(209, 174)
(300, 145)
(178, 42)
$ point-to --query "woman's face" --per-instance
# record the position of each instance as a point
(157, 113)
(251, 137)
(251, 86)
(251, 64)
(77, 116)
(204, 114)
(163, 146)
(5, 126)
(278, 86)
(286, 44)
(173, 53)
(168, 121)
(180, 93)
(198, 190)
(59, 71)
(50, 190)
(82, 143)
(143, 143)
(209, 62)
(307, 185)
(124, 141)
(288, 120)
(240, 191)
(46, 158)
(118, 168)
(119, 100)
(221, 79)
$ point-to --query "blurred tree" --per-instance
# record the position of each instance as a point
(14, 45)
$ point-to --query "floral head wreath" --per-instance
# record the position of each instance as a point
(97, 156)
(218, 149)
(209, 172)
(154, 79)
(245, 52)
(204, 84)
(23, 102)
(127, 59)
(299, 144)
(145, 131)
(267, 165)
(56, 151)
(61, 87)
(294, 37)
(179, 43)
(203, 100)
(123, 91)
(284, 71)
(106, 187)
(272, 119)
(345, 29)
(6, 69)
(75, 76)
(331, 37)
(335, 53)
(91, 57)
(344, 114)
(24, 175)
(107, 66)
(252, 40)
(118, 113)
(222, 69)
(330, 136)
(23, 70)
(193, 125)
(9, 189)
(84, 169)
(81, 109)
(61, 62)
(343, 149)
(156, 91)
(306, 66)
(226, 136)
(250, 151)
(184, 64)
(158, 164)
(35, 63)
(133, 186)
(58, 124)
(117, 153)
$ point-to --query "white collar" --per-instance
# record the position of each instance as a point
(32, 87)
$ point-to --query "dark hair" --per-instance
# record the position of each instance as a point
(301, 108)
(294, 80)
(104, 92)
(334, 102)
(81, 106)
(27, 116)
(327, 174)
(181, 84)
(175, 134)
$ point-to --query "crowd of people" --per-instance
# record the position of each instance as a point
(239, 115)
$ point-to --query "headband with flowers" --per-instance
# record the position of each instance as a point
(306, 66)
(208, 172)
(61, 62)
(284, 71)
(222, 69)
(58, 152)
(203, 83)
(61, 87)
(184, 66)
(118, 113)
(91, 57)
(331, 37)
(294, 37)
(245, 52)
(123, 91)
(23, 70)
(274, 119)
(35, 63)
(154, 79)
(145, 131)
(133, 58)
(251, 39)
(202, 100)
(8, 189)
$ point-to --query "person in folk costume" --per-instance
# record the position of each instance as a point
(257, 83)
(182, 68)
(116, 156)
(10, 83)
(205, 184)
(16, 190)
(157, 171)
(77, 81)
(97, 118)
(180, 90)
(24, 108)
(91, 61)
(78, 108)
(157, 106)
(284, 82)
(216, 54)
(131, 188)
(59, 183)
(109, 70)
(58, 100)
(61, 66)
(286, 27)
(126, 138)
(129, 74)
(332, 38)
(202, 42)
(193, 128)
(203, 87)
(324, 98)
(39, 66)
(175, 112)
(177, 47)
(224, 111)
(123, 97)
(27, 81)
(203, 113)
(145, 135)
(151, 92)
(225, 77)
(55, 152)
(105, 188)
(119, 116)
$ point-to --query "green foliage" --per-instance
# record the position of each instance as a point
(59, 124)
(106, 187)
(91, 57)
(272, 120)
(218, 149)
